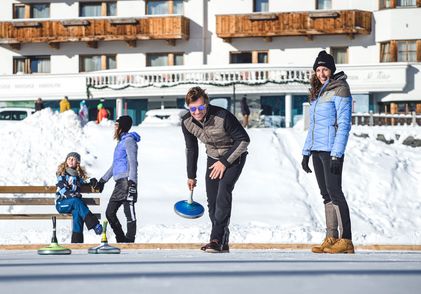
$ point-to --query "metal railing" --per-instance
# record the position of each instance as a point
(384, 119)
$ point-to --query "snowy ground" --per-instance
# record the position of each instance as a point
(241, 271)
(274, 200)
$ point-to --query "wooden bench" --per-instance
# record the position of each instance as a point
(40, 201)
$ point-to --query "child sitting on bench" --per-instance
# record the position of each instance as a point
(70, 177)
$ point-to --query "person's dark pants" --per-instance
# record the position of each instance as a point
(219, 194)
(331, 189)
(117, 199)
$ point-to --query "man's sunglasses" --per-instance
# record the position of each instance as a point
(200, 108)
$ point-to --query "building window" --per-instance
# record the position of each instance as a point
(406, 3)
(38, 10)
(97, 62)
(385, 53)
(240, 57)
(340, 54)
(31, 64)
(401, 51)
(164, 7)
(260, 5)
(407, 51)
(249, 57)
(262, 57)
(385, 3)
(399, 3)
(94, 9)
(111, 8)
(19, 11)
(164, 59)
(323, 4)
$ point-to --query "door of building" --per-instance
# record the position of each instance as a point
(273, 110)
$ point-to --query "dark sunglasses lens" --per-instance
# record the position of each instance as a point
(200, 108)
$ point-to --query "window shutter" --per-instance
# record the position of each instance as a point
(104, 9)
(419, 49)
(103, 62)
(393, 51)
(392, 3)
(171, 7)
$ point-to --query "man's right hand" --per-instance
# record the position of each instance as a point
(191, 183)
(304, 164)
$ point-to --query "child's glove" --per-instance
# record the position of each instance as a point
(93, 182)
(100, 185)
(76, 195)
(132, 193)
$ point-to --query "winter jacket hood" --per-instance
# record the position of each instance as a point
(134, 135)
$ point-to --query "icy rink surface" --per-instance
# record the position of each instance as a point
(193, 271)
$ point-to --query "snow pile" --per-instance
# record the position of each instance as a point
(274, 200)
(32, 149)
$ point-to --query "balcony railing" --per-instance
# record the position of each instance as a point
(217, 76)
(176, 80)
(169, 28)
(309, 24)
(385, 119)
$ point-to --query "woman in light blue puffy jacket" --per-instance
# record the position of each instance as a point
(330, 123)
(124, 172)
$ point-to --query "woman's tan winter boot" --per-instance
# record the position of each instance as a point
(327, 242)
(341, 246)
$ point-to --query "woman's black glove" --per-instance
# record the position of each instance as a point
(335, 165)
(304, 164)
(132, 192)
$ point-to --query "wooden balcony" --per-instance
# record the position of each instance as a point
(92, 30)
(307, 24)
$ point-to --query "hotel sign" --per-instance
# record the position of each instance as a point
(376, 78)
(48, 87)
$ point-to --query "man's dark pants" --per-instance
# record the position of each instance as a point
(219, 194)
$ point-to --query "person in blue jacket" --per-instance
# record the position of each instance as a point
(124, 172)
(70, 176)
(330, 123)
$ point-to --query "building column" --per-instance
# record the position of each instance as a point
(288, 110)
(306, 115)
(119, 107)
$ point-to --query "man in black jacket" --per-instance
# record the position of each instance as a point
(226, 144)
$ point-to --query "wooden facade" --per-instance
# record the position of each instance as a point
(307, 24)
(170, 28)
